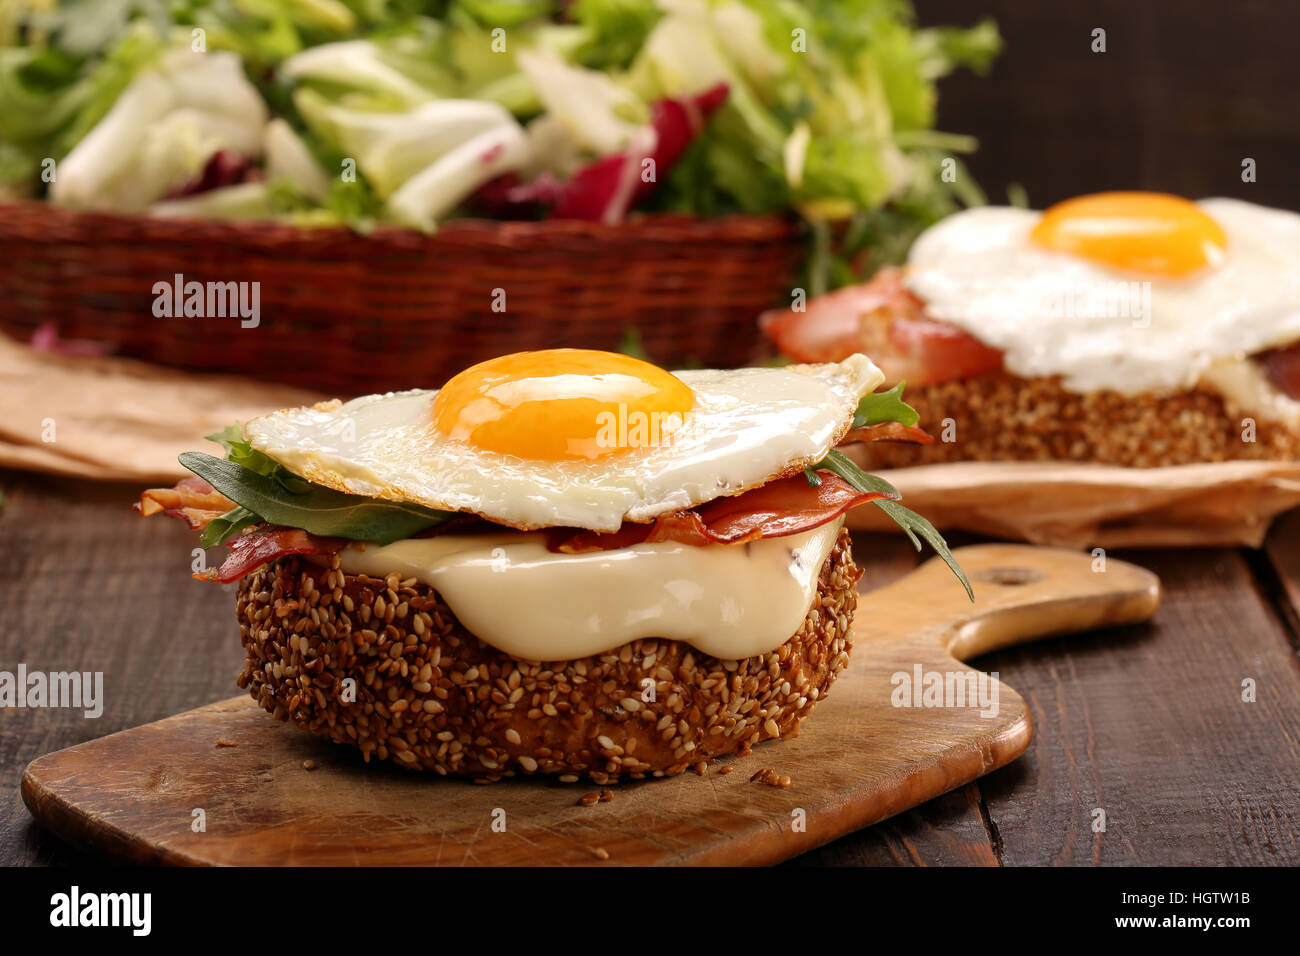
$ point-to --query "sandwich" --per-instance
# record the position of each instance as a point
(1132, 329)
(566, 562)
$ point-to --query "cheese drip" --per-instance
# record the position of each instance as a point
(729, 601)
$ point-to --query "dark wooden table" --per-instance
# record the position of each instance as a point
(1146, 722)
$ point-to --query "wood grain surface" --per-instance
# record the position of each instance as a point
(85, 584)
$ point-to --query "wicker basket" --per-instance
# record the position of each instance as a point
(351, 314)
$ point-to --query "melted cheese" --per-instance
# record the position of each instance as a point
(730, 601)
(1246, 390)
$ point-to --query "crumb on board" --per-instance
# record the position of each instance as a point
(770, 777)
(600, 853)
(223, 742)
(726, 769)
(309, 765)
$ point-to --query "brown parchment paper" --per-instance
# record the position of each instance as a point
(116, 418)
(1081, 505)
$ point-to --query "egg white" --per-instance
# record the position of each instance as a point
(748, 426)
(980, 271)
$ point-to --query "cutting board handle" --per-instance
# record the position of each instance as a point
(1022, 593)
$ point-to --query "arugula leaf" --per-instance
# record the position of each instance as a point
(221, 529)
(836, 461)
(317, 510)
(905, 518)
(887, 406)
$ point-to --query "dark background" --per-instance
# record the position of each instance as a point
(1184, 92)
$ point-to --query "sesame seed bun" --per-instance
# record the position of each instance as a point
(430, 695)
(999, 417)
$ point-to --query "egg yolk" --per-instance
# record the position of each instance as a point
(562, 405)
(1149, 233)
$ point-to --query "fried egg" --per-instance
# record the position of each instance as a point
(573, 438)
(1127, 291)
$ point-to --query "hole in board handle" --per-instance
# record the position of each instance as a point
(1008, 577)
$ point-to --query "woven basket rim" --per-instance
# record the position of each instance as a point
(653, 227)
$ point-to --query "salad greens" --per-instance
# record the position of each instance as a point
(221, 529)
(352, 111)
(315, 509)
(880, 407)
(265, 491)
(240, 451)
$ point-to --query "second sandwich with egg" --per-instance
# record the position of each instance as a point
(1127, 328)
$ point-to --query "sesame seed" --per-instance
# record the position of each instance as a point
(1000, 416)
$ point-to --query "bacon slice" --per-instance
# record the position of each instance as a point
(926, 351)
(1282, 366)
(782, 507)
(779, 508)
(888, 431)
(884, 319)
(829, 328)
(191, 499)
(264, 544)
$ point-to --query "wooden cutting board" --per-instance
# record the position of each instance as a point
(136, 795)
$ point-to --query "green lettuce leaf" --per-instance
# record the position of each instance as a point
(613, 30)
(241, 452)
(317, 510)
(506, 13)
(880, 407)
(221, 529)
